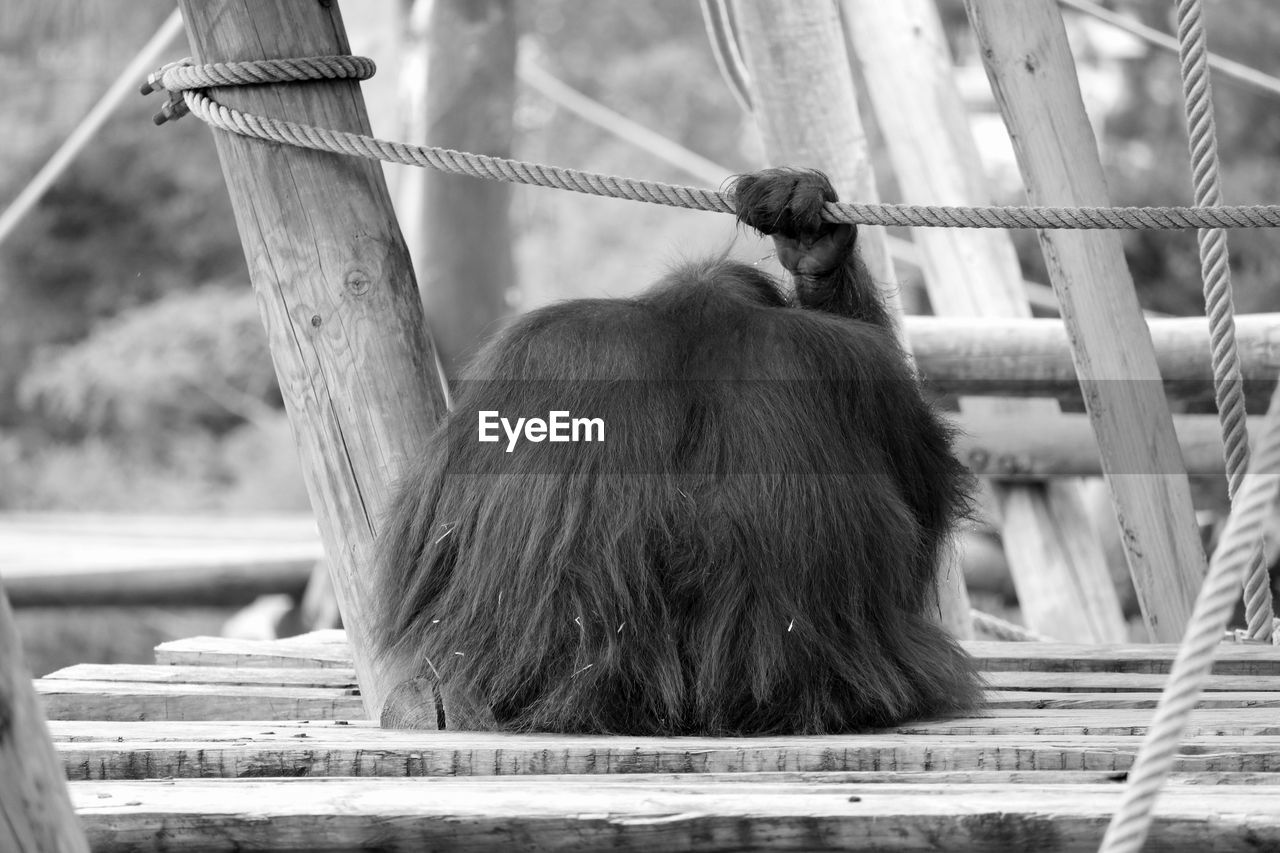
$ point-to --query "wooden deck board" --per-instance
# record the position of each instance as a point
(272, 749)
(329, 648)
(227, 745)
(152, 697)
(703, 813)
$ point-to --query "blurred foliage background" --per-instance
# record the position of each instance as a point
(133, 370)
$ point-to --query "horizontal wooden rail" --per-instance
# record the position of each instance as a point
(1032, 358)
(1064, 446)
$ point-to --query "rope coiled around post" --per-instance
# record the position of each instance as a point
(192, 81)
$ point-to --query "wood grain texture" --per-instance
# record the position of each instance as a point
(60, 559)
(280, 748)
(330, 648)
(64, 699)
(1065, 445)
(1055, 556)
(1028, 60)
(35, 812)
(807, 109)
(1024, 357)
(335, 289)
(326, 649)
(273, 676)
(641, 813)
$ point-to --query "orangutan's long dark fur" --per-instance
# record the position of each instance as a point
(753, 547)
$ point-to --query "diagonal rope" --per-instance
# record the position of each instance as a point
(192, 80)
(1216, 274)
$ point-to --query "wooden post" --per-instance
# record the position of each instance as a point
(806, 106)
(1054, 553)
(336, 291)
(465, 264)
(35, 809)
(1028, 60)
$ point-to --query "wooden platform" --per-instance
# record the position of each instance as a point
(236, 745)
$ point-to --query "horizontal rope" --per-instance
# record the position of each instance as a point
(192, 80)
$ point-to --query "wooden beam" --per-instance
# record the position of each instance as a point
(286, 749)
(463, 247)
(1055, 556)
(336, 291)
(330, 649)
(807, 109)
(1032, 358)
(1065, 446)
(640, 813)
(35, 810)
(1028, 60)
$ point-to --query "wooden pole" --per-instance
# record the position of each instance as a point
(1054, 553)
(336, 292)
(807, 109)
(995, 446)
(35, 808)
(465, 267)
(1032, 358)
(1028, 60)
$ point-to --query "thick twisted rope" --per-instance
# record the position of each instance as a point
(1003, 629)
(1216, 274)
(191, 80)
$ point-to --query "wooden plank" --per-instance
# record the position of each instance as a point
(263, 676)
(643, 813)
(66, 699)
(1206, 722)
(1119, 682)
(1230, 658)
(1055, 556)
(1028, 60)
(1140, 701)
(328, 648)
(1012, 680)
(336, 291)
(327, 749)
(114, 700)
(1064, 682)
(35, 812)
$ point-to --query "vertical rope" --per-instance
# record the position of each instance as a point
(1216, 273)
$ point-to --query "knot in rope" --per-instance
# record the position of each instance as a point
(184, 76)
